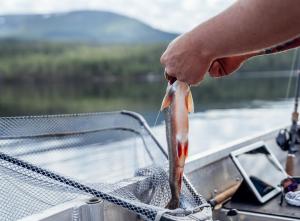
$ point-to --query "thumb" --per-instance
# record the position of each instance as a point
(227, 65)
(217, 69)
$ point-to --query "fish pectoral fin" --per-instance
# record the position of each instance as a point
(166, 101)
(190, 102)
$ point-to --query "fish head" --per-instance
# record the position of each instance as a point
(179, 89)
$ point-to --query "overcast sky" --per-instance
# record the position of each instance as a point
(169, 15)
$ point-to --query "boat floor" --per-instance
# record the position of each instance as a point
(217, 172)
(271, 207)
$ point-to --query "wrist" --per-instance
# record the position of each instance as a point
(202, 44)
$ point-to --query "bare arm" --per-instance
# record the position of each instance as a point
(250, 25)
(246, 26)
(226, 65)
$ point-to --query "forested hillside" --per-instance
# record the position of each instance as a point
(56, 62)
(81, 26)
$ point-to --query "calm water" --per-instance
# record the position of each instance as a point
(87, 157)
(214, 128)
(237, 91)
(226, 109)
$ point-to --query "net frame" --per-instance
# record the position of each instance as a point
(146, 211)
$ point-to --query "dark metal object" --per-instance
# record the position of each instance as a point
(282, 139)
(290, 140)
(94, 200)
(271, 209)
(232, 215)
(294, 131)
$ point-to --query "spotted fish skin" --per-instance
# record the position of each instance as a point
(177, 104)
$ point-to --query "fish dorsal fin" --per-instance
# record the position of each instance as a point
(190, 102)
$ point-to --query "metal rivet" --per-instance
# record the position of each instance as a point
(93, 200)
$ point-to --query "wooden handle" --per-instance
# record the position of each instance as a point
(289, 165)
(225, 195)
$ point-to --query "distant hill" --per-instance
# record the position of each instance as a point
(80, 26)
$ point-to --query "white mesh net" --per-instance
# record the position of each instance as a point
(49, 160)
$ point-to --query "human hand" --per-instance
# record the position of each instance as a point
(186, 59)
(227, 65)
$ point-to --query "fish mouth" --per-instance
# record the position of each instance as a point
(170, 78)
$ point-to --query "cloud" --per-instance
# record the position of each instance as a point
(169, 15)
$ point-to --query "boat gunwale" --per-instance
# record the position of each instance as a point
(212, 155)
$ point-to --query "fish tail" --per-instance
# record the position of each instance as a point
(173, 203)
(175, 190)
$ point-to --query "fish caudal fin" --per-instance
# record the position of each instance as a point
(173, 204)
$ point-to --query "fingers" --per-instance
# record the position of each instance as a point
(217, 69)
(190, 79)
(228, 65)
(186, 76)
(169, 77)
(163, 59)
(170, 72)
(183, 62)
(191, 74)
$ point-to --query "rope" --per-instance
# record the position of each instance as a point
(159, 215)
(291, 73)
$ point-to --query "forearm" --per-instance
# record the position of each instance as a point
(248, 25)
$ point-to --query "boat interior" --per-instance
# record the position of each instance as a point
(216, 172)
(211, 173)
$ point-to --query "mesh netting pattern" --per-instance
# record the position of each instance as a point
(49, 160)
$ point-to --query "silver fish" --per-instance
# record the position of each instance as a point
(177, 103)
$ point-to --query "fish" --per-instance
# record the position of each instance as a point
(176, 105)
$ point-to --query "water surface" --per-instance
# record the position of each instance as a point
(214, 128)
(226, 109)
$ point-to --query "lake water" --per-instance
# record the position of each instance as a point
(226, 109)
(236, 91)
(87, 156)
(214, 128)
